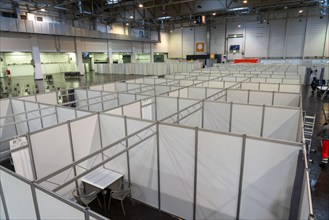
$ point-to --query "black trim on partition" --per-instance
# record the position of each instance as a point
(297, 189)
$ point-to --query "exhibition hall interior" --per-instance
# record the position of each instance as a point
(164, 109)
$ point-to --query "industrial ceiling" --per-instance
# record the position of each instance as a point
(163, 14)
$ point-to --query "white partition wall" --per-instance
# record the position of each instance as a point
(267, 179)
(177, 152)
(143, 165)
(47, 148)
(88, 143)
(18, 196)
(218, 175)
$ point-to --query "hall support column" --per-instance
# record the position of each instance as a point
(109, 52)
(36, 61)
(133, 54)
(78, 52)
(152, 52)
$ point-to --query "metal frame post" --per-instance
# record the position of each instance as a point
(241, 175)
(158, 166)
(195, 172)
(127, 145)
(72, 150)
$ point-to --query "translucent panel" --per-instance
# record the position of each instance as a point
(126, 98)
(177, 150)
(261, 98)
(132, 110)
(269, 87)
(66, 211)
(289, 88)
(251, 86)
(217, 116)
(112, 129)
(191, 117)
(65, 114)
(165, 107)
(286, 99)
(18, 197)
(239, 96)
(18, 107)
(109, 87)
(183, 93)
(281, 123)
(98, 87)
(219, 161)
(47, 98)
(89, 142)
(95, 101)
(143, 167)
(268, 177)
(115, 111)
(36, 123)
(173, 94)
(81, 95)
(247, 119)
(48, 147)
(216, 84)
(196, 93)
(49, 120)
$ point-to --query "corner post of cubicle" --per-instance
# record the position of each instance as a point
(273, 97)
(195, 171)
(156, 108)
(158, 165)
(262, 122)
(248, 97)
(72, 150)
(243, 152)
(102, 100)
(127, 145)
(202, 113)
(86, 213)
(27, 122)
(177, 110)
(300, 126)
(41, 121)
(35, 200)
(14, 120)
(100, 136)
(231, 115)
(34, 172)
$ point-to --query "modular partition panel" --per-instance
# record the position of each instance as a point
(22, 199)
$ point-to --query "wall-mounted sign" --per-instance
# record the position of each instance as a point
(199, 47)
(39, 19)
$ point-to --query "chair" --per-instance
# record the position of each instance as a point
(120, 194)
(85, 199)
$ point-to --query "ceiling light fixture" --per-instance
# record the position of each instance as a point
(140, 5)
(214, 13)
(245, 1)
(300, 11)
(131, 17)
(42, 9)
(127, 24)
(239, 25)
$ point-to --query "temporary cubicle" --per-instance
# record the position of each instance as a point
(170, 166)
(18, 117)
